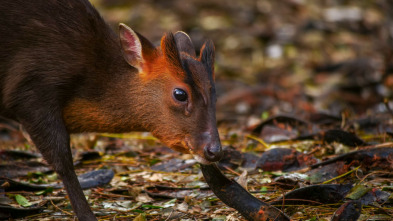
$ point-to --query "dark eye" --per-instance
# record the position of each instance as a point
(180, 95)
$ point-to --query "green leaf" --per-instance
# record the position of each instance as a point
(265, 115)
(154, 161)
(35, 174)
(219, 218)
(152, 207)
(52, 177)
(22, 200)
(171, 201)
(39, 180)
(45, 191)
(263, 189)
(357, 192)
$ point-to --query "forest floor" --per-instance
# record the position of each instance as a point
(304, 111)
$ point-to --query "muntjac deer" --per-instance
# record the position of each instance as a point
(63, 70)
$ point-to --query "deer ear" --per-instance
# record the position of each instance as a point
(131, 46)
(172, 56)
(207, 56)
(184, 43)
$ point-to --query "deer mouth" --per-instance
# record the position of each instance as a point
(198, 153)
(200, 159)
(197, 156)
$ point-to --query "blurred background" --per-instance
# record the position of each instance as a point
(297, 81)
(280, 57)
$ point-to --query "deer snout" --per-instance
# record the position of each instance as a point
(213, 152)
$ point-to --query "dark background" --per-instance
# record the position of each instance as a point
(272, 57)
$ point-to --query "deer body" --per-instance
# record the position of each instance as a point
(63, 70)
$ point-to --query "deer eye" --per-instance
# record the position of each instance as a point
(180, 95)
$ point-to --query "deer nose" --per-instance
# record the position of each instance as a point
(213, 152)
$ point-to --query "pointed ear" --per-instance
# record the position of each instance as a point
(171, 54)
(207, 56)
(184, 43)
(131, 46)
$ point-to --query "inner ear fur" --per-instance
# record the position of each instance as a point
(136, 49)
(149, 52)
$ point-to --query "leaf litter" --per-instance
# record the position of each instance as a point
(304, 106)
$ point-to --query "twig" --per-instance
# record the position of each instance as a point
(68, 213)
(259, 140)
(232, 171)
(342, 175)
(169, 215)
(111, 195)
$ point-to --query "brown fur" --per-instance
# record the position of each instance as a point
(62, 71)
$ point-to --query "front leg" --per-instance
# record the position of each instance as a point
(50, 135)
